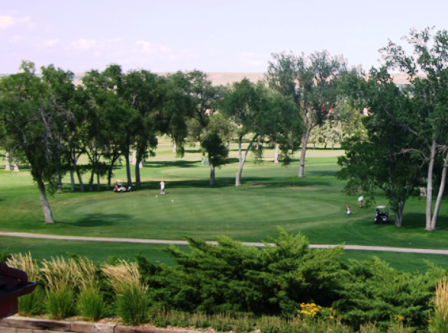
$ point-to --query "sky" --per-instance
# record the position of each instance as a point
(209, 35)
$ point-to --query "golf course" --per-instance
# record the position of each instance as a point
(271, 196)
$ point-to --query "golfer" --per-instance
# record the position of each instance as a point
(162, 187)
(360, 200)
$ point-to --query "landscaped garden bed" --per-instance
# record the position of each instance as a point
(230, 287)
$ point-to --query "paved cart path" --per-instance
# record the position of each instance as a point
(180, 242)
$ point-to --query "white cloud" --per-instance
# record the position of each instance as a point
(16, 38)
(84, 44)
(148, 47)
(97, 54)
(6, 21)
(51, 42)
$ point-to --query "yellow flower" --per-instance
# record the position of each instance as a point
(331, 317)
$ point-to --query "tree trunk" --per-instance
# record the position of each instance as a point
(137, 171)
(98, 183)
(128, 167)
(303, 153)
(212, 174)
(439, 195)
(399, 214)
(433, 149)
(81, 184)
(242, 158)
(277, 147)
(109, 176)
(48, 215)
(72, 180)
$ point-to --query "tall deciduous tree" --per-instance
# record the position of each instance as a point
(310, 81)
(142, 91)
(204, 97)
(33, 117)
(381, 157)
(259, 112)
(427, 115)
(109, 120)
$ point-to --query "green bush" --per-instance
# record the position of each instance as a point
(233, 278)
(374, 293)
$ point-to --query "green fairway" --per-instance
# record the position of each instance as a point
(271, 196)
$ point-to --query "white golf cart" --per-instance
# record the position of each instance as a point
(382, 214)
(118, 188)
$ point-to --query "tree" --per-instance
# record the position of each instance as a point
(109, 120)
(310, 81)
(260, 113)
(33, 118)
(141, 90)
(204, 97)
(381, 156)
(427, 115)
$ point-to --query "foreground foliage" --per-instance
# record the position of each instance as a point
(228, 286)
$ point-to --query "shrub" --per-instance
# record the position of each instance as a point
(233, 278)
(373, 292)
(5, 255)
(132, 300)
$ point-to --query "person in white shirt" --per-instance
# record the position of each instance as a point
(360, 200)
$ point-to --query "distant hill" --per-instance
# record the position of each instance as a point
(224, 78)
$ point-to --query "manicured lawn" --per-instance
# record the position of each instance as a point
(271, 196)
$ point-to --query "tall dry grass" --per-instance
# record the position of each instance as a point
(132, 300)
(60, 277)
(439, 321)
(25, 263)
(30, 304)
(90, 304)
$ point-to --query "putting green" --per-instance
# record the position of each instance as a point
(215, 207)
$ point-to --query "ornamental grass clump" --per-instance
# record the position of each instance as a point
(90, 304)
(439, 320)
(132, 300)
(30, 304)
(60, 279)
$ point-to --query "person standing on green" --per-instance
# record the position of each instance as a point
(360, 200)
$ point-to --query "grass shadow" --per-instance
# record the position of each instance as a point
(418, 221)
(178, 164)
(98, 220)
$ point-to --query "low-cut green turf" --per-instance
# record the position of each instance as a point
(271, 197)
